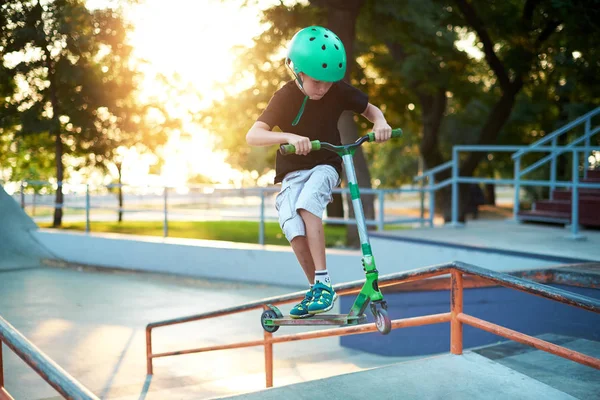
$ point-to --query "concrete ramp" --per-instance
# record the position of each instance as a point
(18, 248)
(469, 376)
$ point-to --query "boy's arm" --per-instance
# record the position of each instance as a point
(383, 131)
(260, 134)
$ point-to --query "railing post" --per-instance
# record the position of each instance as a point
(553, 169)
(23, 195)
(517, 180)
(575, 199)
(431, 202)
(380, 223)
(422, 191)
(455, 194)
(87, 208)
(149, 366)
(268, 356)
(456, 308)
(586, 154)
(165, 221)
(261, 225)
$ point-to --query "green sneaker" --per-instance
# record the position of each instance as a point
(323, 298)
(300, 310)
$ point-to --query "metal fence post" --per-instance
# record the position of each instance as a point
(380, 223)
(517, 180)
(586, 154)
(261, 224)
(87, 208)
(268, 358)
(23, 195)
(553, 169)
(165, 221)
(455, 195)
(431, 203)
(575, 199)
(456, 308)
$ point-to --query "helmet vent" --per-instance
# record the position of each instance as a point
(314, 29)
(324, 65)
(312, 38)
(323, 47)
(326, 36)
(336, 47)
(340, 64)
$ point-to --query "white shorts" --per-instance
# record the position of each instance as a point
(305, 189)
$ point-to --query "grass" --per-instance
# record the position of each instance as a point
(233, 231)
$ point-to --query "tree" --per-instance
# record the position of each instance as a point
(80, 83)
(460, 99)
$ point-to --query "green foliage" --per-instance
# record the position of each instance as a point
(407, 58)
(75, 72)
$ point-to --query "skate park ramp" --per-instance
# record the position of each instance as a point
(504, 371)
(18, 248)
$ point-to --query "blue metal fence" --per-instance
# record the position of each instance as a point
(517, 182)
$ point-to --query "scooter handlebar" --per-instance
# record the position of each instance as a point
(287, 149)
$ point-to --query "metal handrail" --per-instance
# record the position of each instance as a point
(559, 132)
(558, 152)
(433, 171)
(51, 372)
(456, 317)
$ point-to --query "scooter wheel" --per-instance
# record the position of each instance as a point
(382, 321)
(269, 314)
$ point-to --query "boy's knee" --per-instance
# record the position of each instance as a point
(306, 213)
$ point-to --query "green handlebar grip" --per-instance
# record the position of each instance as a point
(286, 149)
(395, 133)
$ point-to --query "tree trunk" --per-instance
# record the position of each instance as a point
(54, 129)
(490, 194)
(341, 19)
(58, 202)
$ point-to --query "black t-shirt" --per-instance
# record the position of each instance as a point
(318, 122)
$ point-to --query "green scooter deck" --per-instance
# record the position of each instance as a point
(319, 319)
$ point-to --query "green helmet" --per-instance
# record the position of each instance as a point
(319, 53)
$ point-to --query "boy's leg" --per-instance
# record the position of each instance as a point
(303, 254)
(315, 239)
(311, 204)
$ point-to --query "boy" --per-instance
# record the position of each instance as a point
(317, 60)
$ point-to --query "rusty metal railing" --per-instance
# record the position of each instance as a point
(456, 316)
(51, 372)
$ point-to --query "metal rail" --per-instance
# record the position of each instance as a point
(51, 372)
(456, 316)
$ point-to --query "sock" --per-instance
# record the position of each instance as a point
(323, 277)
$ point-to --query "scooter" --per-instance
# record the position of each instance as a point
(271, 319)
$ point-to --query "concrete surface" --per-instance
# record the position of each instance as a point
(93, 325)
(543, 240)
(570, 377)
(277, 264)
(469, 376)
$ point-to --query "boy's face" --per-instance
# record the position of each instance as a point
(314, 89)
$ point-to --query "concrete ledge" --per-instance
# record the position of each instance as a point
(192, 257)
(255, 263)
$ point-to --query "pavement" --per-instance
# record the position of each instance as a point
(507, 235)
(92, 324)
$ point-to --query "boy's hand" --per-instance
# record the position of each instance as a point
(382, 131)
(301, 143)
